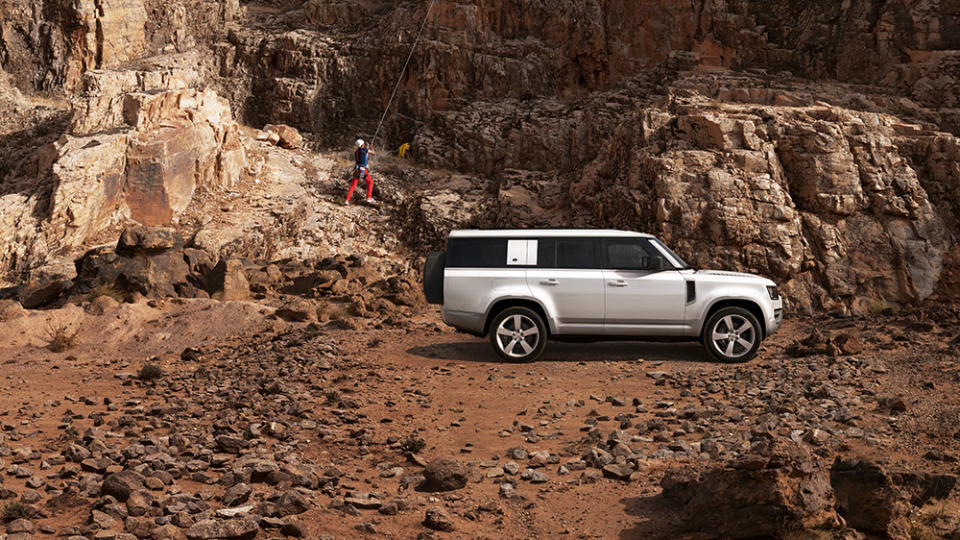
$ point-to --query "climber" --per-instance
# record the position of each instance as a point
(360, 170)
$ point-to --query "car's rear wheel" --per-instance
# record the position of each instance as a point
(732, 334)
(433, 277)
(518, 334)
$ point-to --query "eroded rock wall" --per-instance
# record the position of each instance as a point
(50, 45)
(140, 145)
(849, 209)
(321, 64)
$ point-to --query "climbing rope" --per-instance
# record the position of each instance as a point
(402, 71)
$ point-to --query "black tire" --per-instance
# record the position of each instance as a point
(531, 326)
(727, 344)
(433, 277)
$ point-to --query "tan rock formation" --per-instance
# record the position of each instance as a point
(101, 104)
(52, 46)
(137, 151)
(109, 32)
(172, 142)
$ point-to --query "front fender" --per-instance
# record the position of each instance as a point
(704, 305)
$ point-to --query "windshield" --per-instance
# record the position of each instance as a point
(673, 257)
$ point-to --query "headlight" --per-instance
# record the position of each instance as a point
(773, 292)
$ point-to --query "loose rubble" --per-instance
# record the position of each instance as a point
(309, 431)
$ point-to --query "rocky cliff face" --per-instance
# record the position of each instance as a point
(138, 146)
(50, 45)
(814, 142)
(844, 206)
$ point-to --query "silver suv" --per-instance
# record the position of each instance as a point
(522, 287)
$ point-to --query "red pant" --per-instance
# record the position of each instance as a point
(365, 173)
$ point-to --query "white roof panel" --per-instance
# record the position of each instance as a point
(544, 233)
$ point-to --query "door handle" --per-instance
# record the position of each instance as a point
(550, 282)
(618, 283)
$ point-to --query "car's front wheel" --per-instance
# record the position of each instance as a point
(732, 334)
(518, 334)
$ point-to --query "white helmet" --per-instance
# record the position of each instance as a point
(359, 142)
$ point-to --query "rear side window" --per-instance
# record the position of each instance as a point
(476, 253)
(547, 253)
(582, 253)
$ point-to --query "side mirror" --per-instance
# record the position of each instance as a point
(659, 263)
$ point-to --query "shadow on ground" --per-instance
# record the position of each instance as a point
(480, 351)
(658, 519)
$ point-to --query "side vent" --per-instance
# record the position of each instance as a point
(691, 291)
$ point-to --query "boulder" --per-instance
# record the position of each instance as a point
(445, 474)
(227, 281)
(298, 310)
(101, 305)
(39, 295)
(10, 309)
(147, 239)
(287, 137)
(753, 498)
(152, 274)
(872, 498)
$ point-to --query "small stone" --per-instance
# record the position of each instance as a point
(590, 476)
(294, 528)
(102, 520)
(816, 437)
(231, 445)
(365, 501)
(233, 529)
(235, 511)
(237, 494)
(153, 483)
(898, 404)
(20, 526)
(518, 453)
(139, 502)
(848, 344)
(438, 519)
(495, 472)
(618, 471)
(121, 484)
(389, 509)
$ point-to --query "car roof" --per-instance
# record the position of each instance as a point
(545, 233)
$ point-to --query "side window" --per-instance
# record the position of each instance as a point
(579, 253)
(476, 252)
(547, 253)
(631, 254)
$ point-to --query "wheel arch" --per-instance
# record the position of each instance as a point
(750, 305)
(503, 303)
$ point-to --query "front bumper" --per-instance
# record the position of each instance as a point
(774, 321)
